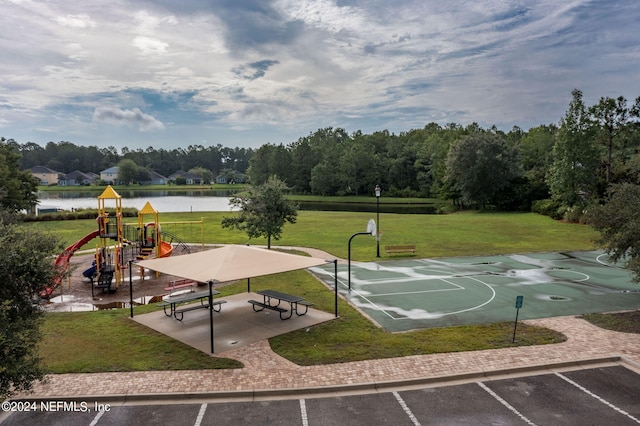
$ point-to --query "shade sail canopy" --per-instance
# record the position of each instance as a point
(229, 263)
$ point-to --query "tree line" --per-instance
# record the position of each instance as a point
(65, 157)
(567, 164)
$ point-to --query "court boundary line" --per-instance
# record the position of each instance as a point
(444, 271)
(387, 312)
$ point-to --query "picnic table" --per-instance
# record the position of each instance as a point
(272, 299)
(173, 302)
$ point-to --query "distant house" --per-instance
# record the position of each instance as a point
(235, 177)
(156, 179)
(190, 178)
(93, 177)
(110, 175)
(45, 175)
(75, 178)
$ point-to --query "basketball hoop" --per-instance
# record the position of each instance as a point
(371, 227)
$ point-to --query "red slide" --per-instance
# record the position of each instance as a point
(62, 261)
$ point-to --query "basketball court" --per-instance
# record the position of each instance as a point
(408, 294)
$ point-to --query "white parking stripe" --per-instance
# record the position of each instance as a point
(203, 408)
(506, 404)
(96, 418)
(303, 413)
(605, 402)
(406, 409)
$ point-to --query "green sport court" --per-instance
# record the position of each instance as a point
(408, 294)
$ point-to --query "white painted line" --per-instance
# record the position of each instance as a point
(402, 293)
(303, 413)
(605, 402)
(406, 409)
(96, 418)
(203, 408)
(506, 404)
(388, 311)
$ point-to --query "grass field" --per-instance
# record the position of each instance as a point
(351, 337)
(458, 234)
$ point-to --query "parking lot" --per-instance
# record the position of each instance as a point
(607, 395)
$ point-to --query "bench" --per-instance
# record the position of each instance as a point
(216, 306)
(400, 249)
(267, 306)
(264, 306)
(105, 280)
(164, 305)
(306, 307)
(292, 300)
(173, 301)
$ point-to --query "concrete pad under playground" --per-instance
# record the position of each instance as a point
(234, 326)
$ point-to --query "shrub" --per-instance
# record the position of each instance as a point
(548, 207)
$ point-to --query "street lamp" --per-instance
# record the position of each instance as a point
(378, 190)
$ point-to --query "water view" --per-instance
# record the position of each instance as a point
(209, 201)
(162, 201)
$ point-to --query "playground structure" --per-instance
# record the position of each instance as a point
(118, 243)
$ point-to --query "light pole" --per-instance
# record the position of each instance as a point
(377, 189)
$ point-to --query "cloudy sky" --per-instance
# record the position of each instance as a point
(242, 73)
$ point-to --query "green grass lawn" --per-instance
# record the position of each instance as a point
(108, 341)
(458, 234)
(100, 341)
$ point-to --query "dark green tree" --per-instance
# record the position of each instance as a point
(480, 166)
(264, 210)
(128, 171)
(25, 271)
(206, 174)
(572, 178)
(535, 149)
(17, 188)
(260, 165)
(611, 117)
(618, 224)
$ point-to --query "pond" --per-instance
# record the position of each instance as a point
(209, 201)
(162, 201)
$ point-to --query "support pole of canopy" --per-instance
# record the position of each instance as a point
(130, 289)
(211, 312)
(335, 283)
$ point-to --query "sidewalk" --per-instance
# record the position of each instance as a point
(268, 375)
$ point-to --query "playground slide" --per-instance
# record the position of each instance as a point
(165, 249)
(62, 261)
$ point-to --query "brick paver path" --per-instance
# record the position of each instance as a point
(264, 370)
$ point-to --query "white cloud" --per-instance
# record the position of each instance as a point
(150, 45)
(76, 21)
(303, 64)
(121, 117)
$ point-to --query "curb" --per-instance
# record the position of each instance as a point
(343, 390)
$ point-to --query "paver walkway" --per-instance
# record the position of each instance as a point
(264, 370)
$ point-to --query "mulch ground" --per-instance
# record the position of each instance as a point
(74, 294)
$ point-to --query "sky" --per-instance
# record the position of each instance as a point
(244, 73)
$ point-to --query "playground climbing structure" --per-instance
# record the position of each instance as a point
(109, 252)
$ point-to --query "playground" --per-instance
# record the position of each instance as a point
(404, 294)
(118, 244)
(400, 295)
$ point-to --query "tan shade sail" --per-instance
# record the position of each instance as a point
(229, 263)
